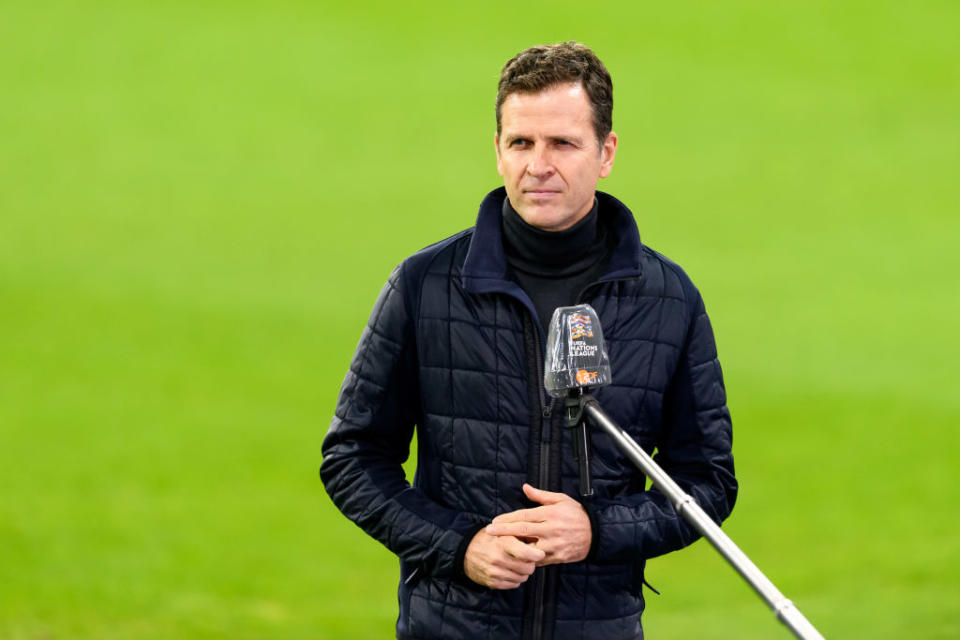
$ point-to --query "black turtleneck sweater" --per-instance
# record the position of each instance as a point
(554, 267)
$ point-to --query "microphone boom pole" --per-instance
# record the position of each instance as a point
(576, 359)
(688, 508)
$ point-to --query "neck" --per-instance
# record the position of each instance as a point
(550, 249)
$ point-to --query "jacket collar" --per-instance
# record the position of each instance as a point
(485, 267)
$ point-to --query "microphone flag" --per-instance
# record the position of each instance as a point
(576, 356)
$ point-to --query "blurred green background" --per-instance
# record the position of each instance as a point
(199, 202)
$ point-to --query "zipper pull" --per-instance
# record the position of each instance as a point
(546, 427)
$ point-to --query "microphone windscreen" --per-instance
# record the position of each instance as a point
(576, 355)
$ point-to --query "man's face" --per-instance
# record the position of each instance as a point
(548, 155)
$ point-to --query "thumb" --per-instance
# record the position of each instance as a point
(543, 497)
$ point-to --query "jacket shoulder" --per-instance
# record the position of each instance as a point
(445, 256)
(416, 266)
(668, 279)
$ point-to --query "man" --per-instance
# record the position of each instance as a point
(492, 541)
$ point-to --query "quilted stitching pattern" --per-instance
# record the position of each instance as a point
(440, 354)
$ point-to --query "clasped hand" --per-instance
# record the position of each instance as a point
(505, 553)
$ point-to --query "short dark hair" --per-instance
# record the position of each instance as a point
(542, 67)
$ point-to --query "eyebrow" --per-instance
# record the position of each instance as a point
(508, 138)
(571, 139)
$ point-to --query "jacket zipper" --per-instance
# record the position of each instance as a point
(544, 477)
(546, 411)
(540, 586)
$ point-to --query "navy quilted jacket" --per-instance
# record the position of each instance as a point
(453, 346)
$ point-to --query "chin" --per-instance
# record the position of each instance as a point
(544, 219)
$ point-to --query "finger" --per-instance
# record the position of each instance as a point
(553, 553)
(543, 497)
(515, 571)
(549, 549)
(548, 560)
(516, 529)
(505, 584)
(522, 551)
(537, 514)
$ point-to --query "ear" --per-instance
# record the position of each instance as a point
(607, 153)
(496, 147)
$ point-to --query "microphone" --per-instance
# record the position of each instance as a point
(576, 357)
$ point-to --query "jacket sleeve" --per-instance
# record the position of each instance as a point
(694, 449)
(369, 439)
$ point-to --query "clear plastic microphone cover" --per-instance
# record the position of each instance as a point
(576, 355)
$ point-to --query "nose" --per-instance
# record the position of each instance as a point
(540, 165)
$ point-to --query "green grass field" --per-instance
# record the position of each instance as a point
(199, 202)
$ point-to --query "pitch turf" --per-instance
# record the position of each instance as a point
(199, 202)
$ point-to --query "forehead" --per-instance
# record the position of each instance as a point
(564, 105)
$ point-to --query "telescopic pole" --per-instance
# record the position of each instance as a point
(687, 507)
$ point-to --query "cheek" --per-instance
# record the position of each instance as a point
(510, 172)
(588, 173)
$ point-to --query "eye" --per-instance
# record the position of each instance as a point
(519, 142)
